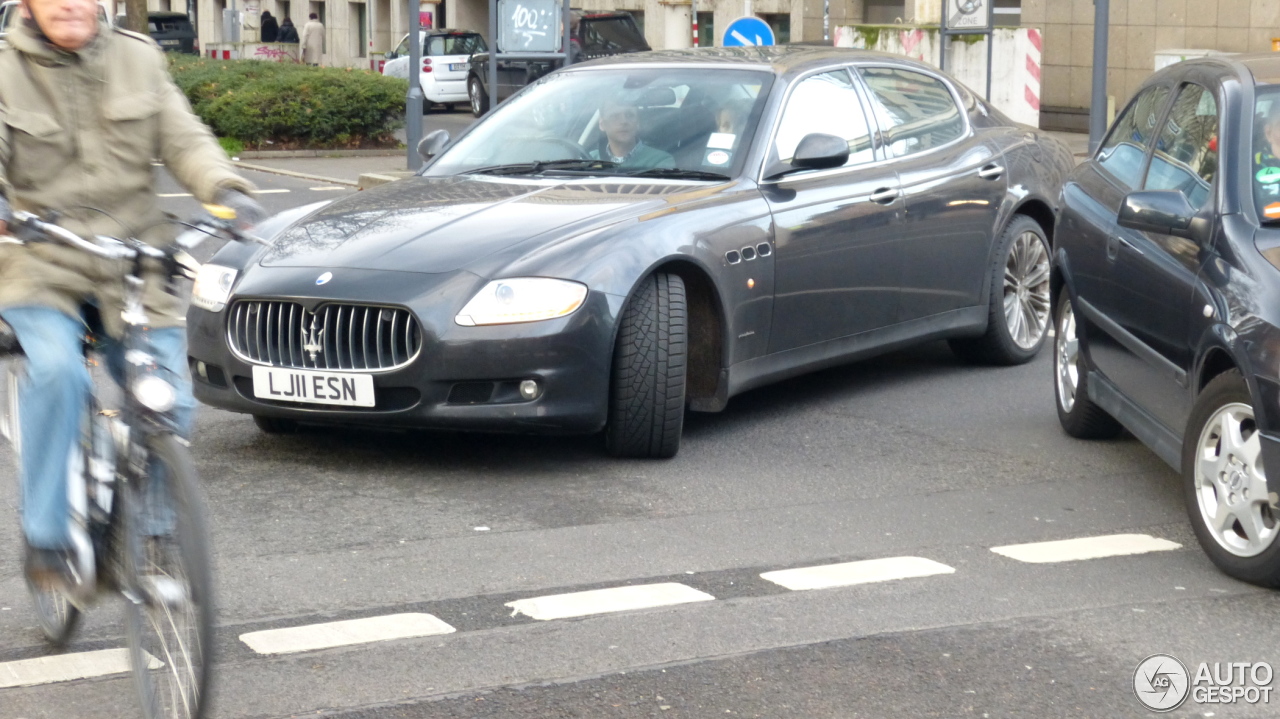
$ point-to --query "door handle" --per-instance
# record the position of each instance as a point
(1131, 246)
(885, 195)
(1113, 246)
(991, 172)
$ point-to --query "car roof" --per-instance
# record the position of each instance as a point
(780, 59)
(157, 15)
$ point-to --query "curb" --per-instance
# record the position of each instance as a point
(291, 173)
(373, 179)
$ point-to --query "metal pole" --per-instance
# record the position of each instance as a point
(942, 38)
(991, 45)
(413, 101)
(568, 35)
(826, 20)
(493, 54)
(693, 10)
(1098, 109)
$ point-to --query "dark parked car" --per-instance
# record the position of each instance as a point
(598, 35)
(1167, 296)
(173, 31)
(634, 235)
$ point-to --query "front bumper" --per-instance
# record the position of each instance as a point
(444, 387)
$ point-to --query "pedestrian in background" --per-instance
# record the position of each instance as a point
(313, 41)
(288, 33)
(270, 29)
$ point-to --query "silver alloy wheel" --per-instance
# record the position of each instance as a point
(1026, 290)
(1231, 482)
(1066, 357)
(474, 94)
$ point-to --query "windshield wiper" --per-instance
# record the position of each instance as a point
(533, 168)
(675, 173)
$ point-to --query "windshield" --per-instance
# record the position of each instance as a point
(1266, 154)
(670, 121)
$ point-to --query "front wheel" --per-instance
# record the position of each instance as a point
(1077, 414)
(1225, 482)
(646, 398)
(169, 586)
(478, 97)
(1018, 311)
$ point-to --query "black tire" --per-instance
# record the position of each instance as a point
(478, 97)
(1256, 562)
(172, 581)
(57, 616)
(1001, 344)
(646, 398)
(1077, 414)
(275, 425)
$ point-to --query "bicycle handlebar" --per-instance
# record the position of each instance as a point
(111, 248)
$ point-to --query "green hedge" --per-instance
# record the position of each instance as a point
(291, 105)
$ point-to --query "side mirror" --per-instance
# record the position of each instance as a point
(1166, 212)
(391, 55)
(432, 144)
(816, 151)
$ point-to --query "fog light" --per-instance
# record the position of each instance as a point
(202, 369)
(529, 389)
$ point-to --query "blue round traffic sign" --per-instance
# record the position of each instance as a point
(748, 32)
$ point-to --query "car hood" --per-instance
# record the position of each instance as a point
(441, 224)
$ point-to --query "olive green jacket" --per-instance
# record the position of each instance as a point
(78, 134)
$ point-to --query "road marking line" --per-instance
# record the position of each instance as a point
(174, 194)
(849, 573)
(67, 667)
(345, 633)
(270, 192)
(1070, 550)
(601, 601)
(331, 188)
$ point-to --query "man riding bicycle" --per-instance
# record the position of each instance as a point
(84, 109)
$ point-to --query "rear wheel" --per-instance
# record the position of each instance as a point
(479, 98)
(646, 399)
(1018, 312)
(58, 617)
(170, 585)
(1226, 483)
(1077, 414)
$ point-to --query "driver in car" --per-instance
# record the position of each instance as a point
(1266, 162)
(620, 123)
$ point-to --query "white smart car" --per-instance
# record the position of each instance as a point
(446, 56)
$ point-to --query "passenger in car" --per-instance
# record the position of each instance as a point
(1266, 159)
(620, 123)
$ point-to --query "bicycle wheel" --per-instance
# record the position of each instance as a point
(170, 607)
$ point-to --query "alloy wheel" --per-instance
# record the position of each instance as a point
(1231, 482)
(1026, 290)
(475, 98)
(1066, 356)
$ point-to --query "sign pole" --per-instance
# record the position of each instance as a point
(826, 20)
(568, 35)
(1098, 111)
(493, 54)
(942, 38)
(693, 5)
(413, 101)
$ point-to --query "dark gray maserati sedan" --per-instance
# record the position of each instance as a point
(638, 235)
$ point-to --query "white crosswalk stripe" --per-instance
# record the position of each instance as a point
(345, 633)
(67, 667)
(601, 601)
(1070, 550)
(851, 573)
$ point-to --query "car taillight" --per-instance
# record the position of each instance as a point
(426, 64)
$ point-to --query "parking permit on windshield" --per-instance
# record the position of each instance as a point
(717, 158)
(721, 141)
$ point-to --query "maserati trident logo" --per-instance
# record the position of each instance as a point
(313, 339)
(322, 279)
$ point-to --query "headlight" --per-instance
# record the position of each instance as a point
(213, 287)
(155, 394)
(522, 299)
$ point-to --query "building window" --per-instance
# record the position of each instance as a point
(780, 23)
(1006, 13)
(884, 12)
(706, 29)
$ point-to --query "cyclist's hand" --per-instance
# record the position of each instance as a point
(6, 214)
(248, 211)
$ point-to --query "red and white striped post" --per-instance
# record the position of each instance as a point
(694, 13)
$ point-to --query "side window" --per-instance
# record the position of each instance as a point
(916, 112)
(403, 48)
(826, 103)
(1186, 156)
(1123, 152)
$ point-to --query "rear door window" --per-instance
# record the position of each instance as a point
(1124, 150)
(916, 112)
(460, 44)
(611, 36)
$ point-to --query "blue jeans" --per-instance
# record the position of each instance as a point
(51, 403)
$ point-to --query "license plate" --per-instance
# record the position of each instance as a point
(296, 385)
(169, 43)
(457, 66)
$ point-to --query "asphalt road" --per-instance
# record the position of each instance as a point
(914, 454)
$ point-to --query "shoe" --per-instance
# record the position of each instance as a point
(52, 569)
